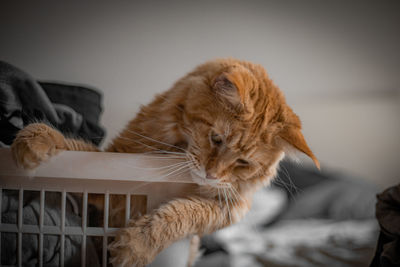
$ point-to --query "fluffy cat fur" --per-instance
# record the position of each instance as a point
(232, 124)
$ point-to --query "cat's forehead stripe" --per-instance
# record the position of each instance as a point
(243, 142)
(196, 118)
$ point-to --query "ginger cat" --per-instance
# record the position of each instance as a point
(230, 122)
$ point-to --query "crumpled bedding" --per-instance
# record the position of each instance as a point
(303, 242)
(307, 218)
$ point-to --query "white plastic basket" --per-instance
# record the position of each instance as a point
(87, 173)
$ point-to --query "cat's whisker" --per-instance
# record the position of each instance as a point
(191, 159)
(162, 153)
(152, 178)
(157, 141)
(156, 168)
(149, 180)
(218, 184)
(131, 189)
(174, 171)
(237, 193)
(230, 199)
(154, 149)
(219, 197)
(162, 157)
(292, 185)
(158, 155)
(278, 180)
(157, 149)
(167, 168)
(234, 196)
(227, 206)
(179, 164)
(195, 164)
(192, 169)
(173, 168)
(179, 175)
(156, 177)
(237, 197)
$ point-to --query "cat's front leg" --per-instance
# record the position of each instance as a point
(139, 244)
(135, 245)
(37, 142)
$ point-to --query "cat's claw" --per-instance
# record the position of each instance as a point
(35, 144)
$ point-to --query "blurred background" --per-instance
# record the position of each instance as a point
(338, 63)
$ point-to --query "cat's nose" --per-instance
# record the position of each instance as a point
(209, 176)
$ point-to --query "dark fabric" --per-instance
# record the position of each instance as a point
(74, 110)
(388, 215)
(324, 195)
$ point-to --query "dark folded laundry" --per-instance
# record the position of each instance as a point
(74, 110)
(388, 215)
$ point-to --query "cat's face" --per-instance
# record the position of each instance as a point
(237, 123)
(225, 152)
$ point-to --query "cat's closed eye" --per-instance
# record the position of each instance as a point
(242, 162)
(216, 139)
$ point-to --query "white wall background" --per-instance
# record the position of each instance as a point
(337, 61)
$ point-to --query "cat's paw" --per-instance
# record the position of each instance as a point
(35, 144)
(134, 245)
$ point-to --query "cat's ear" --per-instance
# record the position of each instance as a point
(224, 85)
(294, 137)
